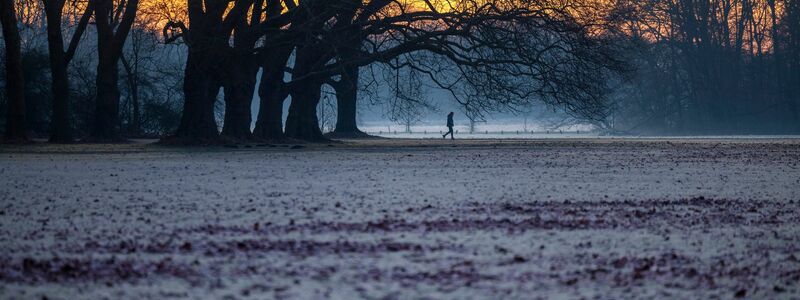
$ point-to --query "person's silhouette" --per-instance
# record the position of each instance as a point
(449, 126)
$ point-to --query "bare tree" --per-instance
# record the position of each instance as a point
(15, 121)
(240, 79)
(347, 88)
(61, 129)
(113, 25)
(273, 55)
(138, 61)
(483, 41)
(474, 116)
(409, 101)
(211, 26)
(707, 67)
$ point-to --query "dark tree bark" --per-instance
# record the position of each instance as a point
(240, 81)
(106, 114)
(271, 90)
(200, 90)
(239, 87)
(207, 42)
(16, 130)
(347, 87)
(312, 55)
(109, 49)
(272, 94)
(61, 129)
(302, 122)
(346, 102)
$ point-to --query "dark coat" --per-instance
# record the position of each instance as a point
(449, 120)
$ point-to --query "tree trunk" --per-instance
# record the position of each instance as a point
(239, 87)
(15, 85)
(135, 128)
(269, 124)
(200, 92)
(60, 131)
(346, 103)
(272, 94)
(302, 122)
(105, 127)
(109, 49)
(106, 117)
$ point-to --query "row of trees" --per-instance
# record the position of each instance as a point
(697, 66)
(505, 53)
(711, 66)
(62, 47)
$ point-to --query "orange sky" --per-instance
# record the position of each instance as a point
(153, 14)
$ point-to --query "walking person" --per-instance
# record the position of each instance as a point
(449, 126)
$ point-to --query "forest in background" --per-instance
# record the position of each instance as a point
(643, 67)
(710, 67)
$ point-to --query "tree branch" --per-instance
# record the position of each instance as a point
(79, 30)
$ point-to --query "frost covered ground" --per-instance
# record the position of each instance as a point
(404, 219)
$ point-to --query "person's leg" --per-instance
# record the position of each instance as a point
(451, 134)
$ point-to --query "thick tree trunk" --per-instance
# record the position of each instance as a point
(237, 114)
(204, 74)
(200, 91)
(105, 127)
(109, 49)
(271, 90)
(15, 82)
(60, 127)
(346, 103)
(269, 124)
(60, 131)
(302, 122)
(239, 87)
(272, 94)
(240, 80)
(106, 117)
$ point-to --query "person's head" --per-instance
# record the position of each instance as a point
(450, 114)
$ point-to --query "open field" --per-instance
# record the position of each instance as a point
(404, 219)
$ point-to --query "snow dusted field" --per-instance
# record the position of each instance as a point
(404, 219)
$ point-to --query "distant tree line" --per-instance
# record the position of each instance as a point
(710, 67)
